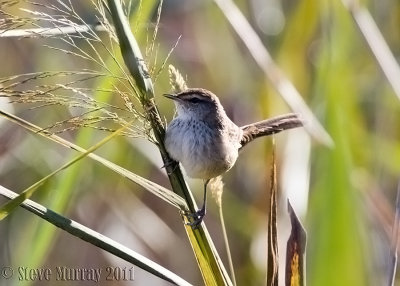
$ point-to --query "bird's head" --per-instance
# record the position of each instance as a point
(197, 103)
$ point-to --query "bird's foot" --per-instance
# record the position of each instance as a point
(196, 218)
(170, 163)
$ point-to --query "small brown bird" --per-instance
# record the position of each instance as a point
(206, 142)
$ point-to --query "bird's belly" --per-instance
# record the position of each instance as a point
(203, 153)
(205, 162)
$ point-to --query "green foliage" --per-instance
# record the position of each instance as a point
(319, 50)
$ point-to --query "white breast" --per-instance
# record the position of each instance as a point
(203, 152)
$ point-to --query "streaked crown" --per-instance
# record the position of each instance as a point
(197, 103)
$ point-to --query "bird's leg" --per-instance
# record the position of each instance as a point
(199, 215)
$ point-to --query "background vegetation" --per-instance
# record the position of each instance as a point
(344, 193)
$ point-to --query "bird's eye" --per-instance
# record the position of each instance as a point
(194, 100)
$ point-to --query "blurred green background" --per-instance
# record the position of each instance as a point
(344, 194)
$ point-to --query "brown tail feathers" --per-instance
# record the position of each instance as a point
(270, 126)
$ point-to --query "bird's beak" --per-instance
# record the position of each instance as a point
(171, 96)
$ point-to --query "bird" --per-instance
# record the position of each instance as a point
(207, 142)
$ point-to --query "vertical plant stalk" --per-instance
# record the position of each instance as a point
(217, 189)
(130, 51)
(210, 264)
(394, 242)
(377, 43)
(391, 70)
(42, 235)
(295, 251)
(227, 247)
(272, 239)
(264, 60)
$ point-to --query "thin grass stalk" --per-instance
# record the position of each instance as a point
(130, 51)
(272, 238)
(156, 189)
(264, 60)
(8, 207)
(376, 43)
(96, 239)
(226, 242)
(210, 264)
(216, 186)
(394, 241)
(49, 32)
(43, 235)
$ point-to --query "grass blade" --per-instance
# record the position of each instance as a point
(394, 242)
(217, 188)
(130, 50)
(272, 247)
(226, 242)
(264, 60)
(49, 32)
(8, 207)
(154, 188)
(96, 239)
(209, 262)
(295, 251)
(40, 234)
(377, 44)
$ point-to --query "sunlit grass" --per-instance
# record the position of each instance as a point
(320, 51)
